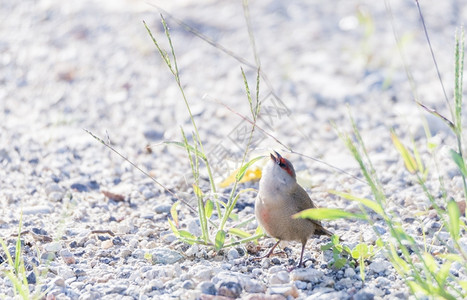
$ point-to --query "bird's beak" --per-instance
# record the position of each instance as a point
(276, 158)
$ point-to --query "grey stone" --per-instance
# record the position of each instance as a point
(207, 287)
(188, 285)
(253, 286)
(379, 266)
(349, 272)
(229, 289)
(279, 278)
(363, 295)
(232, 254)
(308, 275)
(163, 209)
(165, 256)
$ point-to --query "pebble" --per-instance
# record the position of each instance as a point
(261, 296)
(36, 210)
(349, 272)
(379, 266)
(188, 285)
(207, 287)
(285, 290)
(279, 277)
(232, 254)
(66, 273)
(165, 256)
(79, 187)
(107, 244)
(331, 296)
(67, 256)
(308, 275)
(53, 247)
(265, 263)
(344, 283)
(254, 286)
(59, 281)
(203, 274)
(162, 209)
(229, 289)
(363, 295)
(31, 277)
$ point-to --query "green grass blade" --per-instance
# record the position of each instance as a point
(459, 161)
(220, 239)
(240, 233)
(18, 256)
(326, 214)
(454, 216)
(376, 207)
(245, 167)
(174, 213)
(409, 161)
(188, 147)
(173, 227)
(208, 208)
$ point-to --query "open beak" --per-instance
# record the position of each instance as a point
(276, 158)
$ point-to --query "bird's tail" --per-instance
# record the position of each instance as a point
(320, 230)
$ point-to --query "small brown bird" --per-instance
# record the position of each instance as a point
(280, 197)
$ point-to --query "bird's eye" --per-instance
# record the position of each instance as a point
(281, 164)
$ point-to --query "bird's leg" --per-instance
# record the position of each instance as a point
(301, 255)
(290, 269)
(269, 252)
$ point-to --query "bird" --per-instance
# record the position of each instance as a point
(279, 197)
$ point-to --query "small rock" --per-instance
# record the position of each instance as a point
(47, 257)
(67, 257)
(194, 228)
(331, 296)
(55, 196)
(363, 295)
(308, 275)
(153, 135)
(59, 281)
(117, 289)
(107, 244)
(53, 247)
(163, 209)
(232, 254)
(31, 278)
(349, 272)
(285, 290)
(230, 289)
(165, 256)
(253, 286)
(188, 285)
(344, 283)
(79, 187)
(66, 272)
(327, 282)
(279, 278)
(265, 263)
(35, 210)
(275, 261)
(155, 284)
(117, 241)
(207, 287)
(379, 266)
(203, 274)
(213, 297)
(302, 285)
(264, 297)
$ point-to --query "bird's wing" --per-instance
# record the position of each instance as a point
(300, 193)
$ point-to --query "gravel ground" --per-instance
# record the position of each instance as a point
(69, 65)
